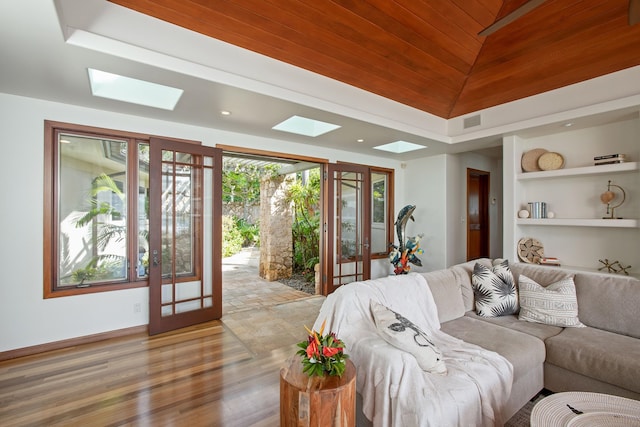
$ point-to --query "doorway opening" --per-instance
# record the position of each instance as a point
(271, 230)
(477, 214)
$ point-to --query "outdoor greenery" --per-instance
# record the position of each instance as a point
(237, 234)
(250, 232)
(241, 181)
(102, 266)
(231, 237)
(304, 193)
(241, 184)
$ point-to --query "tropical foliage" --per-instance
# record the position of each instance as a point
(231, 236)
(241, 181)
(304, 194)
(103, 266)
(241, 184)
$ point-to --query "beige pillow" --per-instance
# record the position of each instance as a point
(555, 304)
(405, 335)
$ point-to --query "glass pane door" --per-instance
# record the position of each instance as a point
(348, 225)
(185, 277)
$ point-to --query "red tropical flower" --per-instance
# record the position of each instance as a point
(312, 349)
(331, 351)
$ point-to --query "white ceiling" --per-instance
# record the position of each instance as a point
(46, 47)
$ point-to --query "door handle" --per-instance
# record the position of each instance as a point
(155, 258)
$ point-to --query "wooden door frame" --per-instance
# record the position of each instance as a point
(158, 324)
(328, 222)
(483, 204)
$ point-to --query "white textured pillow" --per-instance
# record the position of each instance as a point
(403, 334)
(555, 304)
(494, 290)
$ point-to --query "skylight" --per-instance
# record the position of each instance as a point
(400, 147)
(121, 88)
(304, 126)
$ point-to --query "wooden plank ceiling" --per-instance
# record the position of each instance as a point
(423, 53)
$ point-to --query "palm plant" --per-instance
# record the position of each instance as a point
(103, 232)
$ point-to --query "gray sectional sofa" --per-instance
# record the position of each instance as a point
(602, 357)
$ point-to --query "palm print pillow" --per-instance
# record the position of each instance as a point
(495, 290)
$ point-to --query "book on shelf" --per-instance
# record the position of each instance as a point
(550, 261)
(609, 156)
(608, 162)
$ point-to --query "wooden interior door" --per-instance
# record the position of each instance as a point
(185, 235)
(477, 214)
(347, 225)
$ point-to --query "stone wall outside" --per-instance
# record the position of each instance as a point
(276, 221)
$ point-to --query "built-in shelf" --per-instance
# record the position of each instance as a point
(571, 268)
(587, 170)
(581, 222)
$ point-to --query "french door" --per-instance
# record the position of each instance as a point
(347, 225)
(185, 235)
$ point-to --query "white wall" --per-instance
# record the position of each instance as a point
(425, 186)
(438, 187)
(26, 318)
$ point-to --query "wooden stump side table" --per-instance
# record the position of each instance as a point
(316, 401)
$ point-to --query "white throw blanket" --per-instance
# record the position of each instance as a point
(395, 391)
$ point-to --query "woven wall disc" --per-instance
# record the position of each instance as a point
(530, 250)
(550, 161)
(529, 161)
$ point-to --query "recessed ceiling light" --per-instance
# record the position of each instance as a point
(225, 113)
(400, 147)
(360, 140)
(569, 124)
(127, 89)
(303, 126)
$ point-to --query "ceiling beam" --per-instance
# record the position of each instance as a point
(509, 18)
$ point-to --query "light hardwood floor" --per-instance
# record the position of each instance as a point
(198, 376)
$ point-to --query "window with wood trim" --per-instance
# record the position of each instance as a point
(381, 211)
(96, 219)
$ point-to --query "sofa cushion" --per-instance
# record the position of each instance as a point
(555, 304)
(494, 290)
(606, 356)
(605, 301)
(446, 293)
(525, 352)
(405, 335)
(463, 272)
(542, 274)
(609, 302)
(538, 330)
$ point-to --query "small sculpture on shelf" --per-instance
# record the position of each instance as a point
(613, 266)
(608, 197)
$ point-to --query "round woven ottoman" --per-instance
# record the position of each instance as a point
(581, 409)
